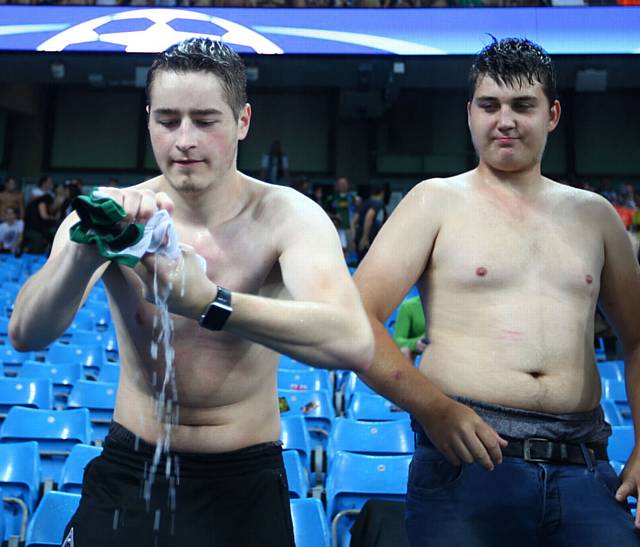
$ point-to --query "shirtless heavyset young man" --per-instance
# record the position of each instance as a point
(278, 254)
(512, 265)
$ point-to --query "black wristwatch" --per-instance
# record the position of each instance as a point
(218, 311)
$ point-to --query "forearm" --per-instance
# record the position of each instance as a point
(632, 381)
(393, 377)
(317, 333)
(48, 301)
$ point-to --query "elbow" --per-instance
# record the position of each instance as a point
(361, 350)
(16, 337)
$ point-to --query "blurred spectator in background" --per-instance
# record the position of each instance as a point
(40, 224)
(342, 206)
(111, 181)
(11, 231)
(369, 220)
(11, 197)
(275, 165)
(410, 329)
(45, 186)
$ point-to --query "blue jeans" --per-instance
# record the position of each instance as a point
(518, 503)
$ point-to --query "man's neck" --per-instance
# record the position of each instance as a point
(526, 183)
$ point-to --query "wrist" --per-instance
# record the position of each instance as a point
(203, 302)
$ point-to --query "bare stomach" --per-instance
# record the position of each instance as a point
(554, 380)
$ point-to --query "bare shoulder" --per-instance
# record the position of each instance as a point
(592, 207)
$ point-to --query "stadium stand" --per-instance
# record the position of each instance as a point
(49, 521)
(71, 474)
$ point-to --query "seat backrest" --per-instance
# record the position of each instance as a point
(614, 390)
(354, 384)
(371, 437)
(621, 443)
(297, 475)
(50, 519)
(59, 374)
(294, 436)
(310, 525)
(288, 363)
(93, 395)
(109, 373)
(367, 407)
(355, 478)
(63, 353)
(304, 380)
(32, 392)
(310, 404)
(73, 468)
(20, 469)
(53, 429)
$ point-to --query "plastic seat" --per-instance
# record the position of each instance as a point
(615, 391)
(355, 478)
(375, 438)
(621, 443)
(85, 320)
(310, 526)
(56, 431)
(599, 350)
(353, 385)
(100, 399)
(612, 413)
(4, 326)
(294, 436)
(611, 370)
(297, 475)
(73, 468)
(304, 380)
(63, 376)
(28, 392)
(20, 482)
(12, 359)
(61, 353)
(365, 407)
(51, 518)
(315, 407)
(109, 373)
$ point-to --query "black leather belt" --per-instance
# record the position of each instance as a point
(543, 450)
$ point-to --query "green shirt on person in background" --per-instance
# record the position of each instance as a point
(410, 324)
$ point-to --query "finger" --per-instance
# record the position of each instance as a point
(479, 452)
(462, 451)
(163, 201)
(451, 457)
(502, 442)
(490, 440)
(131, 205)
(627, 488)
(147, 206)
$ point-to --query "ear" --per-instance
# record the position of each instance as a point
(244, 120)
(469, 114)
(554, 115)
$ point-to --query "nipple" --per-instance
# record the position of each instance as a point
(481, 271)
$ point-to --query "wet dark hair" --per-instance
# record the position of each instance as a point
(512, 61)
(205, 55)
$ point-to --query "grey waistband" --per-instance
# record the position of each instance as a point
(516, 423)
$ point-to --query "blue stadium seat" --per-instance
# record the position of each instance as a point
(611, 370)
(352, 385)
(63, 376)
(297, 475)
(56, 431)
(294, 436)
(612, 413)
(375, 438)
(12, 359)
(599, 350)
(304, 380)
(375, 408)
(100, 399)
(73, 468)
(84, 320)
(4, 326)
(621, 443)
(28, 392)
(355, 478)
(316, 408)
(109, 373)
(615, 391)
(61, 353)
(50, 519)
(310, 526)
(20, 482)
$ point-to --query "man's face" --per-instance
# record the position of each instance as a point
(509, 126)
(11, 185)
(342, 185)
(193, 131)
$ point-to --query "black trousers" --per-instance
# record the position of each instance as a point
(235, 499)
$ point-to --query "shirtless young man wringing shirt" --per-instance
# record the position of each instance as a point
(278, 254)
(512, 265)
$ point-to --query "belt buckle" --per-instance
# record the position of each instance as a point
(527, 449)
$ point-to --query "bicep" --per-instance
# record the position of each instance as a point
(620, 284)
(398, 255)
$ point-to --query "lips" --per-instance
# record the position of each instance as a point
(187, 162)
(505, 140)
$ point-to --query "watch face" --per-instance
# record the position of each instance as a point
(218, 311)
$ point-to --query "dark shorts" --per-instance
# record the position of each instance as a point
(234, 499)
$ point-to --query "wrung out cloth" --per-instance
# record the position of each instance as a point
(102, 223)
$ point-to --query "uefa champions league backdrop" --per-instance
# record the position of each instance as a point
(582, 31)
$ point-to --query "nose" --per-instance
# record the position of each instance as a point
(506, 119)
(186, 138)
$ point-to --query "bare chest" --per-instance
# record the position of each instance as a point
(482, 246)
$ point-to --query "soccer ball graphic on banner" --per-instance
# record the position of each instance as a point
(154, 30)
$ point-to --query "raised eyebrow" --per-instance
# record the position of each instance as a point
(195, 112)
